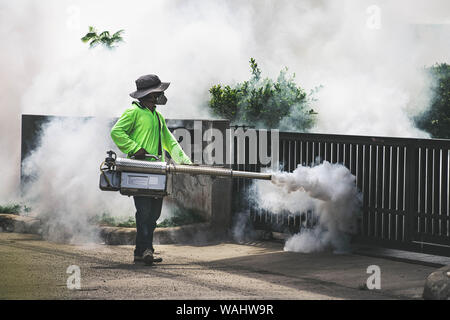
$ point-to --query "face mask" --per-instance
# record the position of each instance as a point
(161, 99)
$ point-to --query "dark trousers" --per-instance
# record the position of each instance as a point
(148, 210)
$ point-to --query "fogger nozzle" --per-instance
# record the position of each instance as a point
(123, 164)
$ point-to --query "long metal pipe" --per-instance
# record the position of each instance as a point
(123, 164)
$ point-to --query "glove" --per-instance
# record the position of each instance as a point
(140, 154)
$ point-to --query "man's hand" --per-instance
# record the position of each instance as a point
(140, 154)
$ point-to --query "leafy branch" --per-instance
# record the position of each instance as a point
(104, 38)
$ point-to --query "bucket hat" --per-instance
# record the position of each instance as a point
(148, 84)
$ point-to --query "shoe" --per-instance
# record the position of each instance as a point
(138, 259)
(148, 257)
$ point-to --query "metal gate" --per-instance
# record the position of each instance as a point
(404, 183)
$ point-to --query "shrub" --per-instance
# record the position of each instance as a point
(14, 208)
(264, 103)
(436, 120)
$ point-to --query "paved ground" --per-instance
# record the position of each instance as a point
(31, 268)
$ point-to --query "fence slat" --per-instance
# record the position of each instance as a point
(316, 151)
(364, 168)
(353, 161)
(327, 155)
(333, 152)
(445, 192)
(422, 186)
(303, 153)
(429, 188)
(298, 153)
(322, 151)
(340, 153)
(359, 159)
(436, 191)
(393, 201)
(309, 154)
(386, 190)
(379, 177)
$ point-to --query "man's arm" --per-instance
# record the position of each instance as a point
(121, 130)
(172, 146)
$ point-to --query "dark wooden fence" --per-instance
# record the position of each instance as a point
(404, 183)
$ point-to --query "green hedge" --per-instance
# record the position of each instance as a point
(264, 103)
(436, 120)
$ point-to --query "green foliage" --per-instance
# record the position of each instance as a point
(129, 223)
(104, 38)
(14, 208)
(436, 120)
(179, 217)
(264, 103)
(10, 208)
(105, 219)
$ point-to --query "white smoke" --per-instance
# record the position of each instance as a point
(64, 172)
(242, 229)
(372, 77)
(329, 191)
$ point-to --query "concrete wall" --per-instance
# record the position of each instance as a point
(209, 196)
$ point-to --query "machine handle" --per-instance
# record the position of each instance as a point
(147, 155)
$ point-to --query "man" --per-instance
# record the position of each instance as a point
(142, 130)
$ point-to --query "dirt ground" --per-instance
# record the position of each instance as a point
(31, 268)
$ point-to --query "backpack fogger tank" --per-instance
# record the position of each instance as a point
(149, 178)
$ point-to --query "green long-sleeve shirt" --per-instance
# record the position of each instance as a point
(138, 128)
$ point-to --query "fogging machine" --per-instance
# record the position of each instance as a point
(133, 177)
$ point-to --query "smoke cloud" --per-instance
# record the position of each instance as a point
(369, 63)
(63, 170)
(328, 191)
